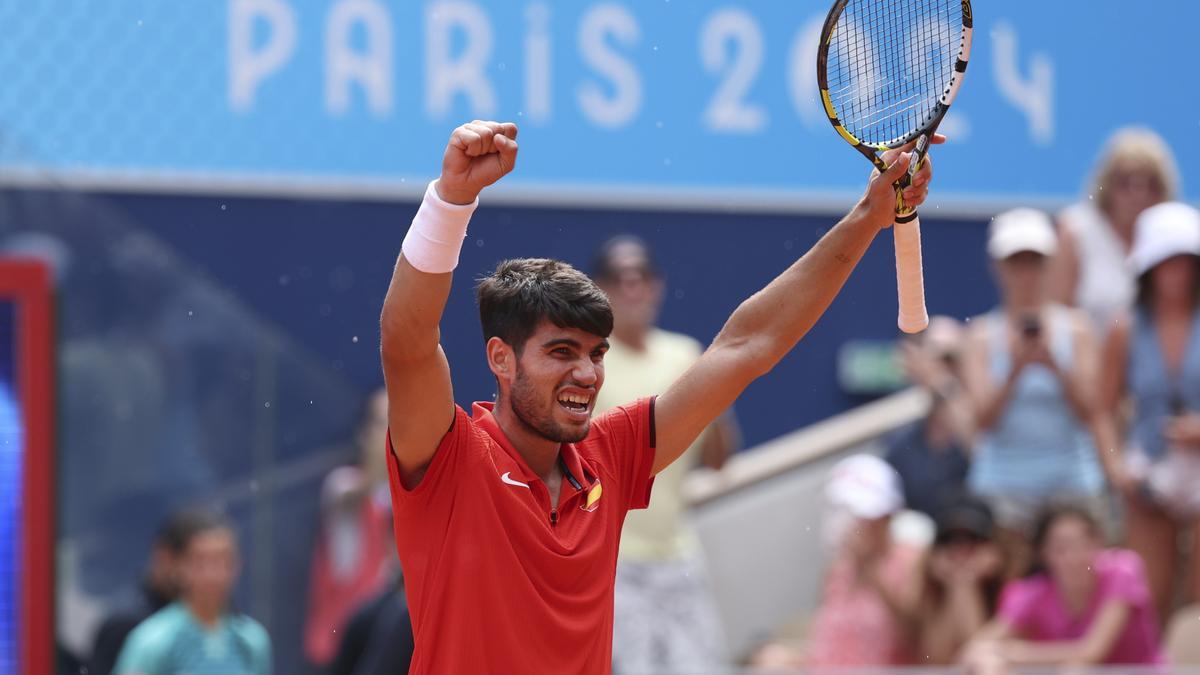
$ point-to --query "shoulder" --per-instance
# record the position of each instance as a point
(1077, 321)
(252, 632)
(679, 342)
(1120, 562)
(1022, 593)
(152, 639)
(1077, 218)
(623, 418)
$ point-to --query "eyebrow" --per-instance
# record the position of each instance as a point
(568, 342)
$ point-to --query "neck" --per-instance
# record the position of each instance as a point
(633, 337)
(1077, 592)
(1018, 307)
(540, 453)
(207, 611)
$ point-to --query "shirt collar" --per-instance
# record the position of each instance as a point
(576, 466)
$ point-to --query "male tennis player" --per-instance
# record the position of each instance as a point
(507, 521)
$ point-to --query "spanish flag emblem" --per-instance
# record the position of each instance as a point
(593, 498)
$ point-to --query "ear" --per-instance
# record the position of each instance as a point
(502, 360)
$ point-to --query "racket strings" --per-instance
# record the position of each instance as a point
(890, 62)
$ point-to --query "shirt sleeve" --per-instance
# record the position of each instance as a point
(628, 445)
(262, 651)
(437, 478)
(1125, 578)
(144, 653)
(1018, 604)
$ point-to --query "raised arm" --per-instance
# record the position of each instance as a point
(767, 325)
(420, 398)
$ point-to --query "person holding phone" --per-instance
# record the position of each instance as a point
(1152, 362)
(1030, 373)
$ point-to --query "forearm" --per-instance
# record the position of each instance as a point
(967, 605)
(1027, 653)
(422, 277)
(411, 313)
(987, 413)
(1077, 394)
(768, 324)
(1107, 439)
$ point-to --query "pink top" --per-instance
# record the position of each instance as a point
(853, 626)
(1035, 610)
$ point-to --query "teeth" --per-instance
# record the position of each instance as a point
(574, 398)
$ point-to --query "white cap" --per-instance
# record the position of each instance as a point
(866, 486)
(1164, 231)
(1021, 230)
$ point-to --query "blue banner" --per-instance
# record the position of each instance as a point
(662, 98)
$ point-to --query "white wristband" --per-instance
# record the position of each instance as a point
(437, 232)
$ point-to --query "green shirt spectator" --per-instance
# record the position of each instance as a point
(173, 641)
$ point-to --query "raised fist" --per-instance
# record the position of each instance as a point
(478, 154)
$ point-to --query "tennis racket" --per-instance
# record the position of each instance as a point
(888, 71)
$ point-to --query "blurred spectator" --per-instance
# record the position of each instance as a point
(378, 638)
(1030, 370)
(352, 562)
(199, 633)
(932, 455)
(665, 620)
(1136, 170)
(1082, 604)
(869, 588)
(960, 584)
(1152, 359)
(158, 588)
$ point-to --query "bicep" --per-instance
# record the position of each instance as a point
(420, 410)
(697, 398)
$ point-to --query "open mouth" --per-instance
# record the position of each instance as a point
(575, 403)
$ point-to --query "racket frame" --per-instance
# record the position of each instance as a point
(913, 317)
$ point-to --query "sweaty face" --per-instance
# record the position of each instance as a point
(556, 380)
(209, 565)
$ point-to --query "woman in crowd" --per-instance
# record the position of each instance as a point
(1152, 359)
(868, 593)
(1082, 604)
(1030, 371)
(960, 583)
(1136, 171)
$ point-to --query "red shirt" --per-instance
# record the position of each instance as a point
(498, 581)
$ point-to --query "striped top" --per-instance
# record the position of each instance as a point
(173, 642)
(1038, 448)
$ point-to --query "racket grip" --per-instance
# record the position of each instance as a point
(910, 283)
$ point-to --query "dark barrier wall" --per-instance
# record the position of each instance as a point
(222, 346)
(320, 269)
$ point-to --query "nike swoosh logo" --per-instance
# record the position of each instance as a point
(508, 479)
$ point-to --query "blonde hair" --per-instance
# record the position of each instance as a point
(1142, 149)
